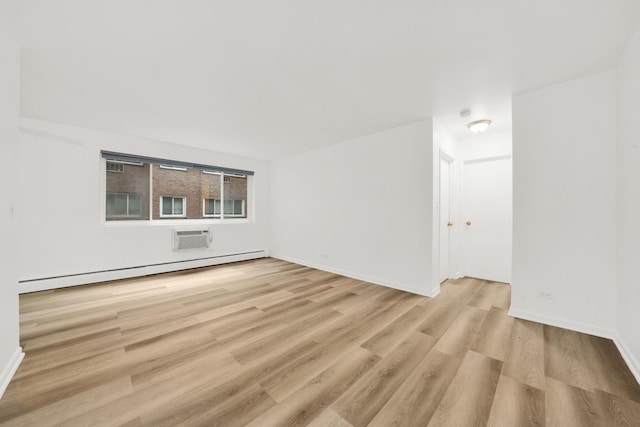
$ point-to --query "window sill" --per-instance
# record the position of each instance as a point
(175, 222)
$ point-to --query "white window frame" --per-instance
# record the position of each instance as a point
(222, 214)
(127, 215)
(204, 208)
(184, 207)
(223, 182)
(244, 209)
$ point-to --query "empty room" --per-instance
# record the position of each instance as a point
(337, 213)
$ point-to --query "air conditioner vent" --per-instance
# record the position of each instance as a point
(191, 239)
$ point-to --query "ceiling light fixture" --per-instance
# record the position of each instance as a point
(479, 125)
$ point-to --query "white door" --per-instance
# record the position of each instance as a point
(445, 217)
(487, 216)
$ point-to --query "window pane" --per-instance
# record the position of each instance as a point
(123, 206)
(129, 185)
(175, 184)
(177, 206)
(211, 207)
(116, 204)
(228, 207)
(235, 192)
(135, 207)
(167, 206)
(237, 207)
(120, 204)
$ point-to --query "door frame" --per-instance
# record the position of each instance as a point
(449, 159)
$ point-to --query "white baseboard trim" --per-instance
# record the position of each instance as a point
(434, 292)
(10, 369)
(402, 287)
(627, 355)
(563, 323)
(35, 285)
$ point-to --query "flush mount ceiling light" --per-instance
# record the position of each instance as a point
(479, 125)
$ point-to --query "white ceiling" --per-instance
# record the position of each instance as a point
(271, 78)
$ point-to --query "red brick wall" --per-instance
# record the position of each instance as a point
(168, 182)
(236, 189)
(209, 186)
(134, 179)
(195, 185)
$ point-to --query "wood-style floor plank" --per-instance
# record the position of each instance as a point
(388, 338)
(617, 411)
(468, 399)
(363, 401)
(524, 359)
(462, 332)
(503, 297)
(608, 369)
(309, 401)
(517, 404)
(417, 399)
(566, 359)
(267, 342)
(329, 418)
(566, 405)
(493, 337)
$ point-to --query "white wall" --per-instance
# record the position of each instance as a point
(10, 352)
(61, 211)
(482, 146)
(628, 198)
(564, 230)
(362, 208)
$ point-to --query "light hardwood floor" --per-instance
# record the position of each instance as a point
(270, 343)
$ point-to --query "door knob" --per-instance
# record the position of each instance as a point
(468, 222)
(449, 224)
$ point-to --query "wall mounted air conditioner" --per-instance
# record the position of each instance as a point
(191, 239)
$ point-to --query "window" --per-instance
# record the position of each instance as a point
(118, 167)
(173, 206)
(234, 196)
(146, 188)
(232, 208)
(212, 207)
(124, 205)
(127, 191)
(115, 167)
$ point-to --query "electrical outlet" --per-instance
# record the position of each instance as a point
(545, 294)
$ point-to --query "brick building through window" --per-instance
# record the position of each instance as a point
(173, 192)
